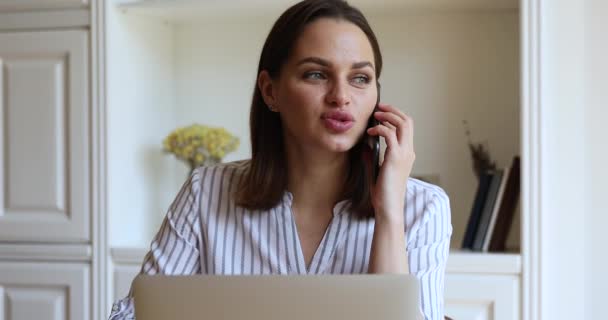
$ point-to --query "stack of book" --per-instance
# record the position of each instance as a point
(493, 209)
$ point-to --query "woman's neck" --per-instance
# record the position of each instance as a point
(316, 179)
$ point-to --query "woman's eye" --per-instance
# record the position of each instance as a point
(314, 75)
(361, 80)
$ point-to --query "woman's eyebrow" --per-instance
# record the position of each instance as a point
(325, 63)
(362, 64)
(315, 60)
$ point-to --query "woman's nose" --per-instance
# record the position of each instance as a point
(338, 94)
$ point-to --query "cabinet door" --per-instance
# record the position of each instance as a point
(52, 291)
(482, 297)
(44, 145)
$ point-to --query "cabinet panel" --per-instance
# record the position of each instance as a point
(43, 19)
(20, 5)
(36, 303)
(44, 162)
(482, 297)
(44, 291)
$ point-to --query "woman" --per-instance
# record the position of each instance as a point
(305, 203)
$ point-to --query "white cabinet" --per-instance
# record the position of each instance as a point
(46, 208)
(44, 150)
(53, 291)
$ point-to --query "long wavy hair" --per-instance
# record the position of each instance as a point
(265, 180)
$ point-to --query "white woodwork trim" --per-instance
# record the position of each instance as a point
(194, 10)
(22, 5)
(484, 263)
(127, 256)
(100, 265)
(531, 124)
(44, 252)
(553, 191)
(35, 20)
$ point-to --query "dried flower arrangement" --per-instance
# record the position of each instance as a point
(199, 145)
(480, 154)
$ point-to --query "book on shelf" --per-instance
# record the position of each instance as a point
(494, 213)
(493, 209)
(506, 211)
(480, 197)
(488, 208)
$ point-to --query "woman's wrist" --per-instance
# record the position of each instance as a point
(393, 228)
(391, 216)
(390, 221)
(389, 206)
(388, 254)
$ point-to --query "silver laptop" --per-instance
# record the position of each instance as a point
(326, 297)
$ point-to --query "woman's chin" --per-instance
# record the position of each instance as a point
(340, 145)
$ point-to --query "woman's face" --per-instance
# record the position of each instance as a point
(327, 89)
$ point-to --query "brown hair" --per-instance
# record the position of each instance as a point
(265, 180)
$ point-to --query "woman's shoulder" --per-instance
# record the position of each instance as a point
(218, 180)
(205, 186)
(418, 189)
(426, 205)
(220, 171)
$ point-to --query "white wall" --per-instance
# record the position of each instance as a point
(216, 65)
(440, 68)
(140, 86)
(596, 173)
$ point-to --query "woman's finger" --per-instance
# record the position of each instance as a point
(389, 117)
(389, 135)
(397, 122)
(389, 108)
(390, 126)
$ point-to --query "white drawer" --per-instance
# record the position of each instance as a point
(482, 297)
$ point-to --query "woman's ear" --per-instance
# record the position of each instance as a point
(266, 86)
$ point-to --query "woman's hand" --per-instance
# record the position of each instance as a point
(388, 195)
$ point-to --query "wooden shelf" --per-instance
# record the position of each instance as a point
(195, 10)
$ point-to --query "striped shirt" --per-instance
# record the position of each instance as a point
(205, 232)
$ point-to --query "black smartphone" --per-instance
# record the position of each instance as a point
(374, 141)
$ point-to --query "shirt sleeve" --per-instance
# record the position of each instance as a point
(428, 252)
(174, 249)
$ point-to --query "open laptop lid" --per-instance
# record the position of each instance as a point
(331, 297)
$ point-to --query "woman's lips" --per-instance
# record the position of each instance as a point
(337, 126)
(338, 121)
